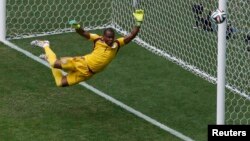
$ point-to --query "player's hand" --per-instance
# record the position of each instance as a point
(74, 24)
(138, 14)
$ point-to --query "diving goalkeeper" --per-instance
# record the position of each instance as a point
(81, 68)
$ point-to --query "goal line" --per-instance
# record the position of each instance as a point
(106, 96)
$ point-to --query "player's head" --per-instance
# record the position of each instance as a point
(109, 36)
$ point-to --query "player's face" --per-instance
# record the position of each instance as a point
(109, 38)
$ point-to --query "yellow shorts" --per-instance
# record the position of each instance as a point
(77, 69)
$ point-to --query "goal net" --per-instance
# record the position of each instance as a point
(178, 30)
(238, 64)
(29, 18)
(181, 32)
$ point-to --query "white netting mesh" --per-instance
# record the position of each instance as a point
(178, 30)
(172, 29)
(168, 27)
(238, 64)
(38, 17)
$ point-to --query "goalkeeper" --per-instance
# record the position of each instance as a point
(81, 68)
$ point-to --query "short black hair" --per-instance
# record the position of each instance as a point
(109, 29)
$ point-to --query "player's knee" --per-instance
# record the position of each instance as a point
(56, 64)
(62, 82)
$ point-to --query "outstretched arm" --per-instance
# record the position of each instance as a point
(79, 29)
(83, 32)
(138, 15)
(132, 35)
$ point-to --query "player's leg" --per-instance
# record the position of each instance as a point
(60, 79)
(73, 77)
(81, 71)
(66, 64)
(54, 63)
(50, 55)
(76, 77)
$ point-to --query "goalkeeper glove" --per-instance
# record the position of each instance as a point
(74, 24)
(138, 14)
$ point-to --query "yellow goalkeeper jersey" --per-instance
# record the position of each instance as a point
(102, 54)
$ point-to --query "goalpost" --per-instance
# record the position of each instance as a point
(169, 30)
(2, 20)
(221, 65)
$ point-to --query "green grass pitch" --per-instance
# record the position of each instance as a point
(33, 108)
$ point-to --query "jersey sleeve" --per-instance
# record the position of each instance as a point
(93, 37)
(120, 41)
